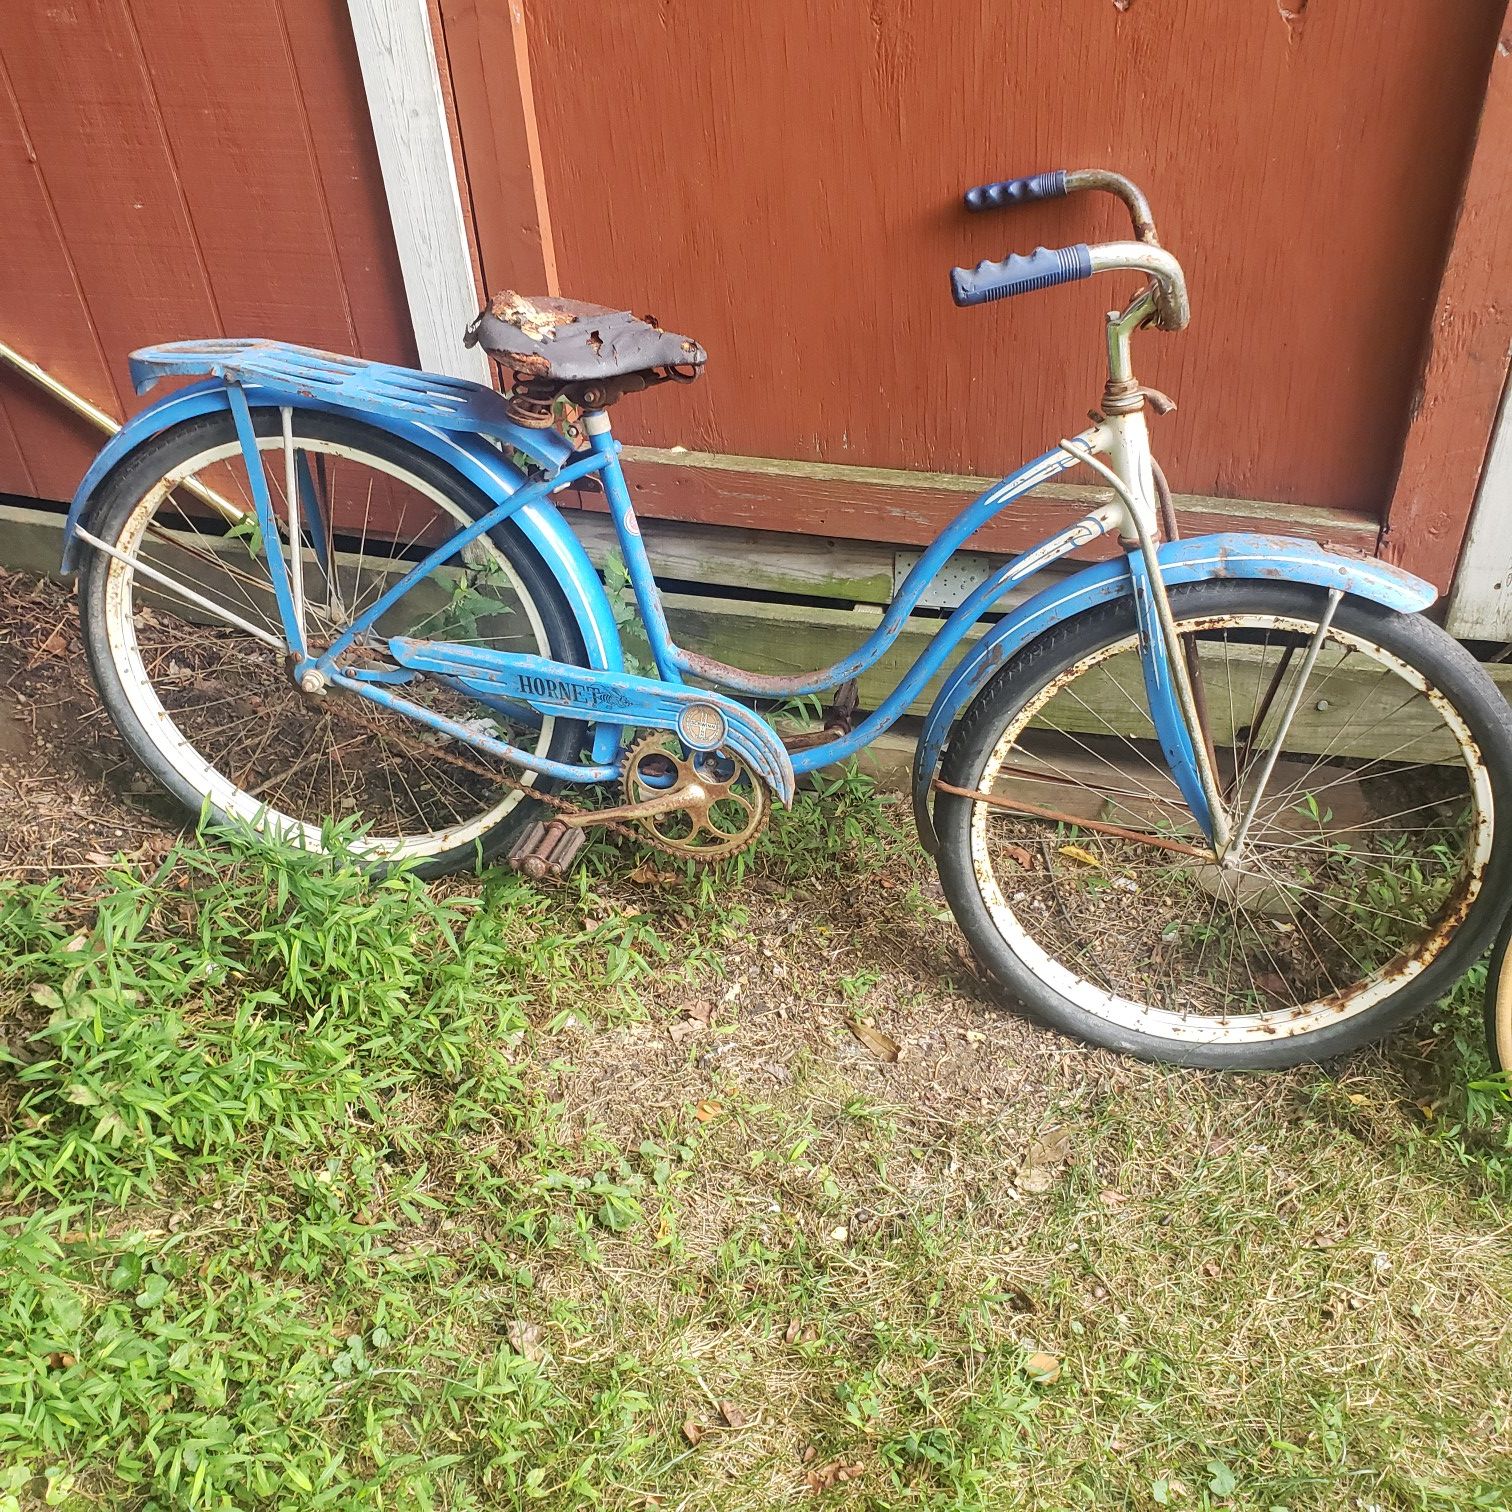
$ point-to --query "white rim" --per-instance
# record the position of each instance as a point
(182, 756)
(1248, 1028)
(1500, 986)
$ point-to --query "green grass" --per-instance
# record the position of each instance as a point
(321, 1192)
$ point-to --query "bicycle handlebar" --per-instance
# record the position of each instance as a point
(1057, 265)
(1061, 182)
(1046, 266)
(1017, 274)
(1016, 191)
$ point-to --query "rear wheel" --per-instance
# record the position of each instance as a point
(208, 705)
(1371, 878)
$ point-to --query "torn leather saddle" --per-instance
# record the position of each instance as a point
(587, 354)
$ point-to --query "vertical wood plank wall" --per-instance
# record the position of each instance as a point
(172, 168)
(782, 182)
(1455, 401)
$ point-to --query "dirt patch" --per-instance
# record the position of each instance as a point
(70, 796)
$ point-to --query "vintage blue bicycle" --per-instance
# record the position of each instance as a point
(1227, 800)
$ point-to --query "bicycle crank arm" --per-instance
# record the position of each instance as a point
(690, 797)
(702, 720)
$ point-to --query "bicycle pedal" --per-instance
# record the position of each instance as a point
(546, 849)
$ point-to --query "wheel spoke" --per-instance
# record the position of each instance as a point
(190, 633)
(1350, 854)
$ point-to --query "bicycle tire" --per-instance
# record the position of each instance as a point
(122, 494)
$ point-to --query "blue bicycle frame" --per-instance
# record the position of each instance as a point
(458, 421)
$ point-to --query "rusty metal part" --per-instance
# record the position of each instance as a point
(529, 397)
(1168, 522)
(1123, 396)
(690, 799)
(841, 715)
(839, 719)
(546, 849)
(343, 707)
(757, 684)
(532, 411)
(696, 791)
(1096, 826)
(1127, 190)
(806, 740)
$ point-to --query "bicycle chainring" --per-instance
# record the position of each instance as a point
(728, 807)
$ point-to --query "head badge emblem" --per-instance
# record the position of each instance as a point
(702, 726)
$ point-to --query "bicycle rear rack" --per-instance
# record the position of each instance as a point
(342, 382)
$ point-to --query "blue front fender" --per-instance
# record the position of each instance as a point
(475, 459)
(1229, 555)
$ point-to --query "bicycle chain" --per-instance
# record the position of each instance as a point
(551, 800)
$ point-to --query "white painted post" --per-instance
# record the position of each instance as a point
(1480, 599)
(403, 85)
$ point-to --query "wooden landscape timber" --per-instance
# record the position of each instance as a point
(907, 507)
(768, 635)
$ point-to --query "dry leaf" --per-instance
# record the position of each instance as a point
(883, 1046)
(1111, 1197)
(732, 1415)
(525, 1339)
(1017, 853)
(702, 1012)
(836, 1473)
(61, 1360)
(692, 1431)
(799, 1332)
(1036, 1173)
(99, 858)
(707, 1109)
(648, 874)
(1076, 853)
(1042, 1367)
(1053, 1148)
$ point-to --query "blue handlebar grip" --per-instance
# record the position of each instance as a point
(1016, 191)
(1017, 274)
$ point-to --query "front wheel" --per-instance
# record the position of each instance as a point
(1371, 877)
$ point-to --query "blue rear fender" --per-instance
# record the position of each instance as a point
(1228, 555)
(476, 459)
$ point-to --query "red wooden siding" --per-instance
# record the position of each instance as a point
(173, 169)
(782, 182)
(1455, 403)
